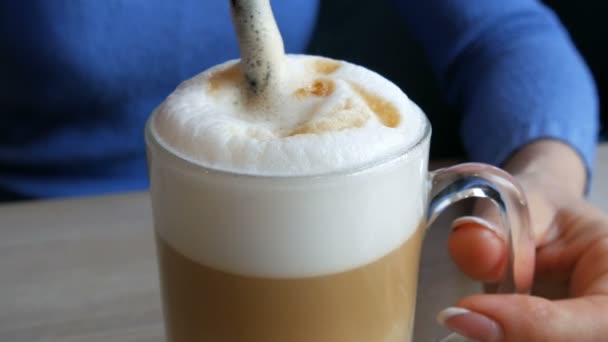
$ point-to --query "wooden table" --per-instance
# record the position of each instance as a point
(85, 270)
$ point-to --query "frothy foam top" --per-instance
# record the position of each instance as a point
(330, 116)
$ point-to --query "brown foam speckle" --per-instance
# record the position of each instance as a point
(340, 118)
(319, 88)
(386, 112)
(326, 66)
(230, 76)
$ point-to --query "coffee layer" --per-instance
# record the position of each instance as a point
(371, 303)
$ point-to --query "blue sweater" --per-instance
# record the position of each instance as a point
(79, 78)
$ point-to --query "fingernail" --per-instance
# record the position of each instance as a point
(470, 324)
(450, 312)
(461, 221)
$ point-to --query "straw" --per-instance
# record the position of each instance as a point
(262, 50)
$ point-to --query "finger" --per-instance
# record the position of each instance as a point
(576, 262)
(478, 249)
(490, 318)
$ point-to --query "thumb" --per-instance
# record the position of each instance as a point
(478, 249)
(497, 318)
(477, 243)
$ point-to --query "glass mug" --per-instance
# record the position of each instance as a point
(330, 257)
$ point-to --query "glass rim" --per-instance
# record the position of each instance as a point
(151, 138)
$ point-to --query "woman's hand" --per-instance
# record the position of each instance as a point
(569, 300)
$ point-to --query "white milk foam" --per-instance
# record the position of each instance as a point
(213, 127)
(290, 226)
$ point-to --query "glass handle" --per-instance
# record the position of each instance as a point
(473, 180)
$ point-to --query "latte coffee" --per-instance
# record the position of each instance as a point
(289, 196)
(299, 224)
